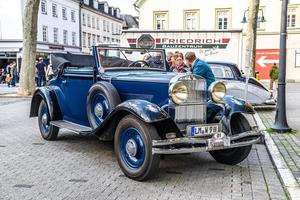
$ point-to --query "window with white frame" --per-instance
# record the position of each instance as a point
(98, 23)
(191, 20)
(260, 24)
(107, 26)
(64, 13)
(84, 39)
(45, 33)
(160, 20)
(73, 18)
(88, 20)
(54, 10)
(104, 25)
(112, 28)
(89, 39)
(44, 7)
(55, 35)
(93, 22)
(291, 18)
(65, 36)
(74, 38)
(94, 39)
(98, 38)
(83, 19)
(222, 18)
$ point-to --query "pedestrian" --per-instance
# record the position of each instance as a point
(49, 72)
(41, 72)
(8, 77)
(274, 74)
(13, 73)
(180, 65)
(170, 59)
(199, 67)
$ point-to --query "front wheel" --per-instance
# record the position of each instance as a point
(236, 155)
(48, 131)
(133, 148)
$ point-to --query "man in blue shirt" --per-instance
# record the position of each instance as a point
(199, 67)
(41, 71)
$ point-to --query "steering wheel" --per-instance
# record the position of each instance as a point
(141, 62)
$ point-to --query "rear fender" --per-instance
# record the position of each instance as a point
(48, 95)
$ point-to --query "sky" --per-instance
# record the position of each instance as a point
(126, 6)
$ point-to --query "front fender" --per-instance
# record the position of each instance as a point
(238, 105)
(48, 95)
(144, 110)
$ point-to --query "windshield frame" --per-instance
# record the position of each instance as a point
(100, 69)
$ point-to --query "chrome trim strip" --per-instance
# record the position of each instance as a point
(202, 149)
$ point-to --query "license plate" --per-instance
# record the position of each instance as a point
(218, 141)
(204, 130)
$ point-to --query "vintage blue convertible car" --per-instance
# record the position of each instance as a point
(128, 95)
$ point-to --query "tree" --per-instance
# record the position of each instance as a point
(251, 37)
(27, 75)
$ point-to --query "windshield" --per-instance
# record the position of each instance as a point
(111, 58)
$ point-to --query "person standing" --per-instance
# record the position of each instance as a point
(13, 73)
(41, 72)
(180, 66)
(8, 75)
(199, 67)
(274, 74)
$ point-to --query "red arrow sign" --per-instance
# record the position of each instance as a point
(265, 58)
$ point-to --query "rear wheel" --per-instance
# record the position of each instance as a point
(133, 148)
(235, 155)
(48, 131)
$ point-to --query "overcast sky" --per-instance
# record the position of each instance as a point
(126, 6)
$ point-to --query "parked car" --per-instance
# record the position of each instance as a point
(128, 95)
(257, 93)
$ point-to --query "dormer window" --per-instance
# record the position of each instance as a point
(95, 4)
(106, 8)
(86, 2)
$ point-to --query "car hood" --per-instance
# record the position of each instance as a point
(144, 76)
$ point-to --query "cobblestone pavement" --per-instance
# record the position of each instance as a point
(288, 144)
(77, 167)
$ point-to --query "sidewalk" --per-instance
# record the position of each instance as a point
(4, 89)
(286, 151)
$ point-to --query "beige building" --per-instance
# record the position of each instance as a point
(100, 23)
(200, 15)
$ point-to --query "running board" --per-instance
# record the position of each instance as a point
(83, 130)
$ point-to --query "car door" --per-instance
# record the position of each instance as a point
(75, 83)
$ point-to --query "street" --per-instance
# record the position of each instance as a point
(77, 167)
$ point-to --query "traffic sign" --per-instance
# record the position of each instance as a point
(265, 58)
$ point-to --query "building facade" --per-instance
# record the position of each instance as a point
(100, 23)
(58, 28)
(218, 15)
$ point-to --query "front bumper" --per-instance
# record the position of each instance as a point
(200, 144)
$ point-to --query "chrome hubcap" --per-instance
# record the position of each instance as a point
(45, 119)
(131, 148)
(98, 110)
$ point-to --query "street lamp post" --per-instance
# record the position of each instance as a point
(280, 125)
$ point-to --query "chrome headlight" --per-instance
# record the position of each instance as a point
(217, 91)
(179, 92)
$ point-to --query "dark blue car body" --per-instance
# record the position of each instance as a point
(76, 98)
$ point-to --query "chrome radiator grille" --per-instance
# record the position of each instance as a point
(194, 109)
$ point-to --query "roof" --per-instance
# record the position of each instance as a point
(130, 22)
(138, 3)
